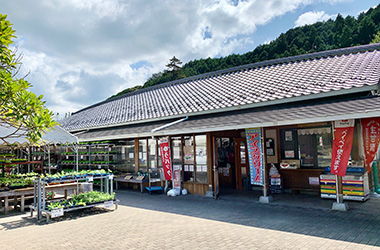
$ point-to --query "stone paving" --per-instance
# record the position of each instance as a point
(146, 221)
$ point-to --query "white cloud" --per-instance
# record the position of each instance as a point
(312, 17)
(80, 52)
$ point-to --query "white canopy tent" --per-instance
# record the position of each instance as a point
(56, 135)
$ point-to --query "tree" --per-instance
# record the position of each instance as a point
(376, 39)
(20, 110)
(174, 64)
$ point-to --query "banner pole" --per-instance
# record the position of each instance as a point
(336, 176)
(263, 155)
(265, 198)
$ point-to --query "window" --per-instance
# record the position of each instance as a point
(188, 158)
(130, 156)
(142, 155)
(311, 146)
(315, 147)
(152, 148)
(201, 158)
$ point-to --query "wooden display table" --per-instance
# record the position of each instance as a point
(301, 179)
(132, 180)
(22, 193)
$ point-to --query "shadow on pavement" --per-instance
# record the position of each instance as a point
(25, 220)
(287, 213)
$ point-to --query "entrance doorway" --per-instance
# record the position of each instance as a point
(231, 163)
(226, 162)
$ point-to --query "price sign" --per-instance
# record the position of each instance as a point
(90, 178)
(99, 166)
(110, 177)
(81, 157)
(67, 157)
(56, 212)
(108, 204)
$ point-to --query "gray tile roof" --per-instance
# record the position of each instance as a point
(292, 113)
(241, 87)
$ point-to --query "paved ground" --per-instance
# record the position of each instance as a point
(146, 221)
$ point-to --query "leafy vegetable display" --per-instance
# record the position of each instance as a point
(63, 175)
(82, 199)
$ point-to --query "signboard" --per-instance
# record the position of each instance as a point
(90, 178)
(371, 139)
(255, 155)
(342, 144)
(165, 159)
(56, 212)
(176, 176)
(108, 204)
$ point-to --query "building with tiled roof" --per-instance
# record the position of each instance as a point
(287, 98)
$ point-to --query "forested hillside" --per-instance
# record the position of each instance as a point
(331, 34)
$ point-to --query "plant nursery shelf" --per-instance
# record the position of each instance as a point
(105, 204)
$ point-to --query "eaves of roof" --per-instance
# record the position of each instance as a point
(290, 114)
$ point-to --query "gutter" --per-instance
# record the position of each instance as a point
(168, 125)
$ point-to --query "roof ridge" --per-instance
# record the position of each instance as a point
(326, 53)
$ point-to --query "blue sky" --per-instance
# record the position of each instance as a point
(80, 52)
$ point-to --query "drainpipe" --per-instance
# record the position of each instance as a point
(169, 124)
(376, 177)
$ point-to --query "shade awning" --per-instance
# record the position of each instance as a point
(56, 135)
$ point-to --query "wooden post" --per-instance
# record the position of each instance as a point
(339, 189)
(6, 205)
(22, 203)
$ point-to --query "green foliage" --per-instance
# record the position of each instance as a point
(82, 199)
(332, 34)
(19, 108)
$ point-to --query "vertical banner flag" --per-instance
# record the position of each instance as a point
(255, 150)
(342, 144)
(165, 158)
(371, 139)
(176, 176)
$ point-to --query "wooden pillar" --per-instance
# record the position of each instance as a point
(6, 205)
(136, 155)
(210, 154)
(22, 203)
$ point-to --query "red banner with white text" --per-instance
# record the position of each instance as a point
(371, 139)
(165, 158)
(342, 144)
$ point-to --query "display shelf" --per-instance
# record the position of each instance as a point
(355, 186)
(40, 185)
(101, 155)
(106, 204)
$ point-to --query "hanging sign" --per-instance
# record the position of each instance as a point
(371, 139)
(342, 144)
(255, 157)
(176, 176)
(165, 158)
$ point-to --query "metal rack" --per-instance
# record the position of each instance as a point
(39, 204)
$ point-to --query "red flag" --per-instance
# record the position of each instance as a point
(176, 176)
(371, 139)
(165, 158)
(342, 144)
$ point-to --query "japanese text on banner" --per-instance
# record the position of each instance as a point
(342, 144)
(371, 139)
(165, 158)
(256, 170)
